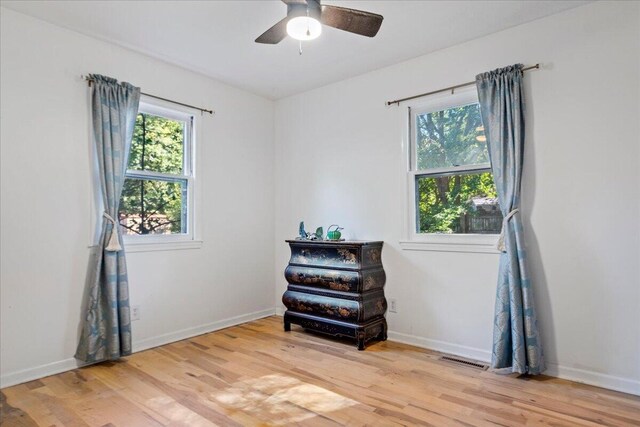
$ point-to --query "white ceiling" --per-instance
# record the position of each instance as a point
(216, 38)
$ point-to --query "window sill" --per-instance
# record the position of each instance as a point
(131, 247)
(468, 247)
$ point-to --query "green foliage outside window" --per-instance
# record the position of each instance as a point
(454, 138)
(150, 205)
(157, 145)
(444, 203)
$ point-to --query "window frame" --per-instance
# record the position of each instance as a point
(190, 239)
(412, 240)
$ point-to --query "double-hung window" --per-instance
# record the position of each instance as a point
(452, 196)
(157, 198)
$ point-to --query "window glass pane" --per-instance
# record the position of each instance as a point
(457, 204)
(158, 144)
(152, 206)
(451, 137)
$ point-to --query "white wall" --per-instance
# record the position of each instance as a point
(46, 201)
(338, 160)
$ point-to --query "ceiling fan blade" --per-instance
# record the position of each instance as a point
(352, 20)
(274, 34)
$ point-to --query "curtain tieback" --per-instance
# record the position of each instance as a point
(500, 245)
(114, 243)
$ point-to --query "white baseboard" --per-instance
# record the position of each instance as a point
(30, 374)
(442, 346)
(597, 379)
(148, 343)
(280, 311)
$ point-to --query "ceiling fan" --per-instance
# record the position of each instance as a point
(305, 19)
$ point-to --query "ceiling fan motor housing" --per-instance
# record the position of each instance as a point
(312, 9)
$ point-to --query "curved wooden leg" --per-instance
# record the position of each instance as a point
(360, 341)
(383, 334)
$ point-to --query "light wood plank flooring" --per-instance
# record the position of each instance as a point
(256, 374)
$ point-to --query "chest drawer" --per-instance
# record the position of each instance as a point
(335, 256)
(336, 280)
(360, 310)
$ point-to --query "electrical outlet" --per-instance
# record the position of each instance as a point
(393, 305)
(135, 312)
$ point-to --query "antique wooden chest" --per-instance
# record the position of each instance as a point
(336, 288)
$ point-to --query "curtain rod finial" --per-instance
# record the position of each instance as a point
(86, 78)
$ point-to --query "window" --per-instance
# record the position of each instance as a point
(451, 187)
(156, 203)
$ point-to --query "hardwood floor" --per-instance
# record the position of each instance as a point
(256, 374)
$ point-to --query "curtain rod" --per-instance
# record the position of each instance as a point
(450, 88)
(202, 110)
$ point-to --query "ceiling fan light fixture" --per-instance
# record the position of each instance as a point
(304, 28)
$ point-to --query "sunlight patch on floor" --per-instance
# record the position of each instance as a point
(282, 399)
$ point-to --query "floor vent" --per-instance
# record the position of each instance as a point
(465, 362)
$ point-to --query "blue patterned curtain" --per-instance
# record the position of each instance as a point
(516, 341)
(106, 330)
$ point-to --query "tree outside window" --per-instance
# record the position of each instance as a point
(454, 188)
(155, 192)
